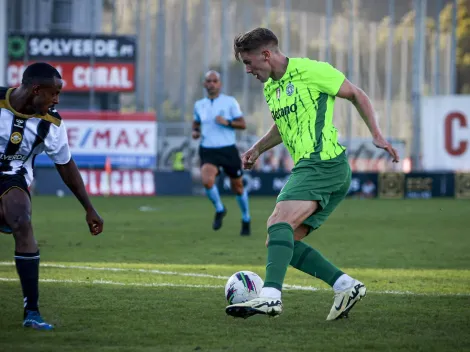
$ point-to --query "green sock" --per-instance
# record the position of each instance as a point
(311, 262)
(280, 249)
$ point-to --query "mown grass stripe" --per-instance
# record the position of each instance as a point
(294, 287)
(285, 287)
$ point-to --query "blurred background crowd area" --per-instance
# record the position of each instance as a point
(398, 51)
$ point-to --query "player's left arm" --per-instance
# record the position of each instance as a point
(331, 81)
(57, 148)
(364, 107)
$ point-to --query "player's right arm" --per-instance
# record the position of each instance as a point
(57, 148)
(271, 139)
(196, 133)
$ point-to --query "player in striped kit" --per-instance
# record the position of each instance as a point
(30, 125)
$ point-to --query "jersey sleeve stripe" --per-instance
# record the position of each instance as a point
(41, 134)
(54, 120)
(51, 119)
(14, 142)
(320, 120)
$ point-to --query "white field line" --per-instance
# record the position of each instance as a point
(148, 271)
(176, 273)
(168, 284)
(106, 282)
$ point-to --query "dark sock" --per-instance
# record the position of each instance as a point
(311, 261)
(27, 266)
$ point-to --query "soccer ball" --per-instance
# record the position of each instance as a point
(243, 286)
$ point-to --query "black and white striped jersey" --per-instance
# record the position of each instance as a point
(22, 137)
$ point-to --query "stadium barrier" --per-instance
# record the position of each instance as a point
(128, 140)
(389, 185)
(445, 134)
(146, 182)
(119, 182)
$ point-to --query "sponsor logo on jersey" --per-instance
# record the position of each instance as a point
(16, 138)
(284, 112)
(16, 157)
(19, 123)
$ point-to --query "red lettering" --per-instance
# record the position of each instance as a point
(149, 183)
(100, 136)
(142, 139)
(137, 182)
(126, 184)
(94, 183)
(14, 73)
(119, 182)
(122, 139)
(72, 135)
(449, 133)
(84, 174)
(115, 185)
(79, 77)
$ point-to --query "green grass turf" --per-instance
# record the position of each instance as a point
(168, 294)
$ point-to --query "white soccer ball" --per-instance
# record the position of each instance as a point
(243, 286)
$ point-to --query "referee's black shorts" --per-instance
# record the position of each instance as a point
(227, 158)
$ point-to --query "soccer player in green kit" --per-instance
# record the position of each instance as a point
(301, 94)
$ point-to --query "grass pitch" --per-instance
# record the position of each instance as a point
(153, 281)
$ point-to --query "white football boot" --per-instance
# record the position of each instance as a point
(267, 306)
(346, 299)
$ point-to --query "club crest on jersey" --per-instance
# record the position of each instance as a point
(290, 89)
(278, 93)
(16, 138)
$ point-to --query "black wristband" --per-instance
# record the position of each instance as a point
(229, 123)
(196, 129)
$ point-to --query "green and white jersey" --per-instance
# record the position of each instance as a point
(301, 104)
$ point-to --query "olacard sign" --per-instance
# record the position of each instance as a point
(106, 63)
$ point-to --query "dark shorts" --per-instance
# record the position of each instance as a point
(226, 158)
(7, 183)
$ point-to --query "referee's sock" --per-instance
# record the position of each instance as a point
(242, 200)
(214, 196)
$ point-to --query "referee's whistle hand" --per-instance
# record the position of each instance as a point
(221, 121)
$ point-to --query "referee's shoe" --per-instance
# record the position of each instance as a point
(218, 218)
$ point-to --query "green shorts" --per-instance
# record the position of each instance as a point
(326, 181)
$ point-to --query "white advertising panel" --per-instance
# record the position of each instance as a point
(445, 131)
